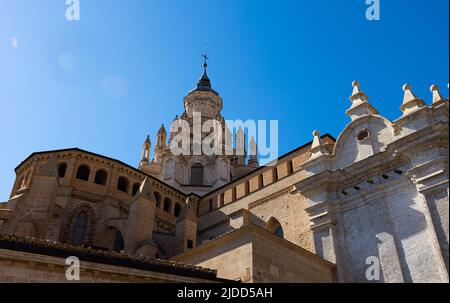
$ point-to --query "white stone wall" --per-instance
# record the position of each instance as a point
(385, 196)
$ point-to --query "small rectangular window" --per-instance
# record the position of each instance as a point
(211, 205)
(190, 244)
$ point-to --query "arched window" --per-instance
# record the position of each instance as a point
(177, 210)
(158, 199)
(100, 177)
(279, 232)
(136, 188)
(79, 229)
(118, 242)
(83, 173)
(190, 244)
(122, 184)
(167, 205)
(275, 227)
(62, 168)
(197, 174)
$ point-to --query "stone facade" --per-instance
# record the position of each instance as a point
(379, 192)
(383, 192)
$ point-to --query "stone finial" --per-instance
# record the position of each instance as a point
(161, 137)
(145, 156)
(253, 147)
(410, 101)
(409, 95)
(147, 143)
(357, 93)
(240, 142)
(360, 103)
(317, 141)
(317, 147)
(253, 152)
(437, 97)
(355, 85)
(162, 130)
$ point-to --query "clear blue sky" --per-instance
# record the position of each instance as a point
(104, 83)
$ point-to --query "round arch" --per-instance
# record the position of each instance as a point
(275, 227)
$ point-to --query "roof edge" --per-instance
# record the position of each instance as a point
(76, 149)
(263, 167)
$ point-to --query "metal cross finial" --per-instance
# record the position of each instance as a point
(206, 59)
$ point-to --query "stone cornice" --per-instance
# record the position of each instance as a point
(389, 159)
(79, 154)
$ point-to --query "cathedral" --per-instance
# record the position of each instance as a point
(370, 206)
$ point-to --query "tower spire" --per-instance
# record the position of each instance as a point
(145, 158)
(204, 83)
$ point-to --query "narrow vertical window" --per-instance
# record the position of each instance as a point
(62, 168)
(197, 171)
(167, 205)
(118, 242)
(177, 210)
(158, 199)
(122, 184)
(210, 205)
(80, 229)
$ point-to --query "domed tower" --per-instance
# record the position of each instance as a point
(194, 170)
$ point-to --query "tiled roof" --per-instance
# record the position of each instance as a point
(61, 250)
